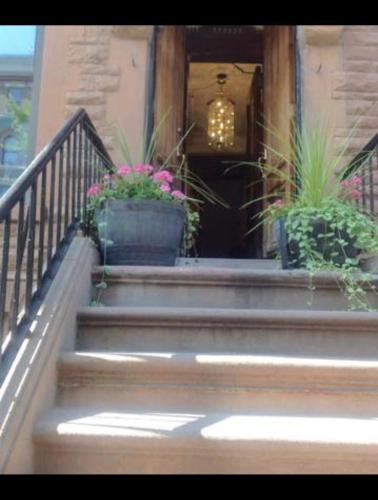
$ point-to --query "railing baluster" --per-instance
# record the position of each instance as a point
(21, 238)
(86, 180)
(4, 275)
(79, 173)
(30, 257)
(56, 187)
(50, 230)
(74, 175)
(42, 218)
(60, 190)
(376, 174)
(67, 190)
(360, 163)
(371, 186)
(91, 167)
(363, 186)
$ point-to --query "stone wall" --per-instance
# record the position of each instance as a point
(103, 68)
(100, 68)
(357, 84)
(98, 77)
(340, 80)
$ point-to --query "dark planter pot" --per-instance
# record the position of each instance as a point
(140, 232)
(328, 246)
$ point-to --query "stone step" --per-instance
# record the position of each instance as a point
(336, 334)
(220, 382)
(82, 441)
(229, 263)
(192, 286)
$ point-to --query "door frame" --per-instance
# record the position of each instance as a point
(151, 84)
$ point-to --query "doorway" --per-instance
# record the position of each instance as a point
(259, 82)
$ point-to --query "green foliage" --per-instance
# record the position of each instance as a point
(192, 225)
(344, 225)
(323, 188)
(20, 114)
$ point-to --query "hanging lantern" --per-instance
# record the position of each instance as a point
(221, 118)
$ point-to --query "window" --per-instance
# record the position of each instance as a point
(11, 153)
(16, 94)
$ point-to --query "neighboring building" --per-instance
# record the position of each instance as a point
(16, 77)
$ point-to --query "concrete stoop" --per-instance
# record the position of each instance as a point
(183, 371)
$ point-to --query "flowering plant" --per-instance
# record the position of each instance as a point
(135, 182)
(323, 193)
(142, 182)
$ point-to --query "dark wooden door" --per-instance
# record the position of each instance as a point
(255, 116)
(170, 89)
(279, 106)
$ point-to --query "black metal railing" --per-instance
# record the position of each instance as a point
(39, 216)
(366, 163)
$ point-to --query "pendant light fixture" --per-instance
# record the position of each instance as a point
(221, 118)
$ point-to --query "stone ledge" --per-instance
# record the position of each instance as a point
(322, 35)
(31, 388)
(132, 32)
(227, 318)
(96, 69)
(99, 82)
(85, 97)
(89, 40)
(87, 53)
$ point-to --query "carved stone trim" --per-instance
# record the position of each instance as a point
(132, 32)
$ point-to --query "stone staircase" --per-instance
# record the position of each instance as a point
(215, 370)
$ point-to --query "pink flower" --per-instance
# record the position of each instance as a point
(163, 176)
(165, 188)
(355, 194)
(94, 190)
(178, 194)
(124, 170)
(356, 180)
(278, 204)
(141, 168)
(350, 187)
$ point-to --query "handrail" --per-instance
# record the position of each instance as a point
(366, 163)
(363, 155)
(25, 180)
(45, 207)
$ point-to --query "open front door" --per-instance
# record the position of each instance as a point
(255, 138)
(170, 89)
(279, 102)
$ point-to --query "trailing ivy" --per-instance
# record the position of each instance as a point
(345, 225)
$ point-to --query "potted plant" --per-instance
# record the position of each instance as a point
(138, 213)
(319, 225)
